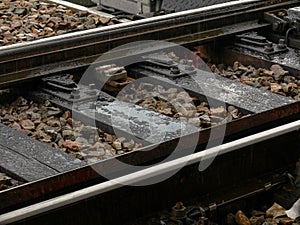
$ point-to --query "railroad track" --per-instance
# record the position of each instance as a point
(23, 61)
(101, 200)
(116, 109)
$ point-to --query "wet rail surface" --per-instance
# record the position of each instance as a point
(100, 109)
(243, 109)
(18, 63)
(228, 171)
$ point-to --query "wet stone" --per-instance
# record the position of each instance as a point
(68, 135)
(54, 123)
(274, 215)
(72, 145)
(276, 79)
(108, 137)
(270, 221)
(7, 182)
(117, 145)
(257, 220)
(275, 211)
(286, 221)
(58, 129)
(230, 219)
(16, 126)
(36, 116)
(4, 179)
(32, 19)
(256, 213)
(27, 125)
(241, 218)
(177, 104)
(128, 145)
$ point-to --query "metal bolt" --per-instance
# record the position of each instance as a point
(175, 70)
(189, 65)
(75, 94)
(92, 86)
(179, 211)
(76, 90)
(203, 221)
(281, 44)
(92, 89)
(269, 47)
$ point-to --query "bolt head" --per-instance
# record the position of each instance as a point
(92, 86)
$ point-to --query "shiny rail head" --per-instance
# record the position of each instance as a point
(149, 173)
(183, 14)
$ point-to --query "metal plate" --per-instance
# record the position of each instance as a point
(181, 5)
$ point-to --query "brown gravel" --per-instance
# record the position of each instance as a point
(55, 127)
(273, 216)
(28, 20)
(7, 182)
(276, 79)
(174, 103)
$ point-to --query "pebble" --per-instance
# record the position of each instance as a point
(128, 145)
(178, 104)
(230, 219)
(57, 128)
(257, 220)
(276, 79)
(117, 145)
(275, 215)
(68, 134)
(275, 211)
(27, 124)
(28, 20)
(286, 221)
(241, 218)
(7, 182)
(16, 126)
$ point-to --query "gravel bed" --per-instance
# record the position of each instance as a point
(272, 216)
(7, 182)
(275, 215)
(27, 20)
(56, 127)
(276, 79)
(178, 104)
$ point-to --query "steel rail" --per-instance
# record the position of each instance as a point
(131, 23)
(145, 174)
(22, 62)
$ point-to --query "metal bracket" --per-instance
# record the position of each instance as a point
(67, 90)
(254, 42)
(162, 64)
(140, 7)
(288, 26)
(60, 83)
(278, 24)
